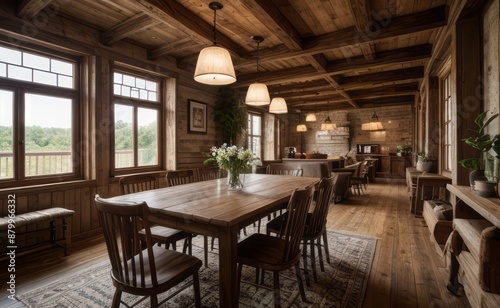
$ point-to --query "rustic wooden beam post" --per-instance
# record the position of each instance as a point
(466, 86)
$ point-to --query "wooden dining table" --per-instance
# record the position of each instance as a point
(209, 208)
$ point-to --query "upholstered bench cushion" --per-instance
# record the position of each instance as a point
(443, 210)
(34, 217)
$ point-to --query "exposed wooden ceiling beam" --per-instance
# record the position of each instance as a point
(397, 26)
(268, 14)
(129, 27)
(393, 57)
(383, 78)
(388, 101)
(176, 15)
(384, 58)
(360, 9)
(375, 93)
(29, 8)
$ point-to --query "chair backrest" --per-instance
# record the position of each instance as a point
(293, 230)
(136, 183)
(358, 167)
(121, 223)
(180, 177)
(324, 195)
(283, 169)
(208, 173)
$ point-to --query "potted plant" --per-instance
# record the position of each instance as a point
(425, 162)
(404, 150)
(482, 142)
(231, 113)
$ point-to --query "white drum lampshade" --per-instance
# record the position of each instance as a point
(301, 128)
(278, 105)
(214, 67)
(257, 95)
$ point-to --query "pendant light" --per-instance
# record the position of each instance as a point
(214, 65)
(373, 125)
(301, 127)
(311, 117)
(278, 105)
(257, 94)
(328, 125)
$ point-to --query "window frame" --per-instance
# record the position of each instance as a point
(20, 88)
(446, 125)
(250, 132)
(159, 105)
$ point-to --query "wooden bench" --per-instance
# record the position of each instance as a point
(429, 186)
(438, 216)
(21, 222)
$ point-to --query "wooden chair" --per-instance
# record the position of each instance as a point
(208, 173)
(357, 177)
(284, 169)
(181, 177)
(279, 253)
(159, 234)
(137, 265)
(315, 225)
(280, 169)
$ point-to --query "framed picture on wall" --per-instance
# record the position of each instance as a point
(197, 117)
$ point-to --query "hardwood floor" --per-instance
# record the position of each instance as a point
(406, 271)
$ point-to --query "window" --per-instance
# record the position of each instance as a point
(137, 111)
(254, 133)
(447, 124)
(38, 118)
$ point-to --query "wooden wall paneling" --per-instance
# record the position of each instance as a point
(94, 219)
(491, 66)
(86, 201)
(432, 122)
(21, 207)
(466, 86)
(72, 201)
(33, 206)
(104, 122)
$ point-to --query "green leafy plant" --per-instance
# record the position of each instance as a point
(425, 157)
(482, 142)
(231, 113)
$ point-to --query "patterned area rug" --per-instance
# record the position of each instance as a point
(342, 284)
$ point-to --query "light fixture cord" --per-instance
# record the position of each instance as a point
(258, 71)
(215, 26)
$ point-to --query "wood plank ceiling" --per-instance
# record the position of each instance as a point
(317, 54)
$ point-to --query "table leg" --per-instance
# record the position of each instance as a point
(228, 243)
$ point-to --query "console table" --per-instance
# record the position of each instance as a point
(475, 247)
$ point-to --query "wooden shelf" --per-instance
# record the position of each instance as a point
(472, 215)
(489, 208)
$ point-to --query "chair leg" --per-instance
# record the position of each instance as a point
(304, 259)
(327, 249)
(153, 301)
(277, 302)
(196, 286)
(238, 279)
(301, 284)
(116, 299)
(320, 254)
(313, 261)
(205, 246)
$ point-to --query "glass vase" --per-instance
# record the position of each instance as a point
(235, 180)
(491, 166)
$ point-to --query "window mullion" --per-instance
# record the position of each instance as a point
(135, 132)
